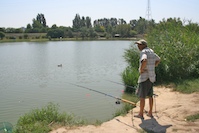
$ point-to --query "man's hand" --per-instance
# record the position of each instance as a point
(143, 66)
(157, 62)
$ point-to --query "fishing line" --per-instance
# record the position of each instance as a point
(118, 99)
(122, 84)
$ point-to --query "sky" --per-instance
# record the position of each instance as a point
(19, 13)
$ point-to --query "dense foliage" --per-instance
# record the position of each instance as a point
(177, 44)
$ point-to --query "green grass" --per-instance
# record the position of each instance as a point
(187, 86)
(42, 120)
(126, 107)
(193, 118)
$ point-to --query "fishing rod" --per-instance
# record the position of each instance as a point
(155, 95)
(117, 102)
(133, 87)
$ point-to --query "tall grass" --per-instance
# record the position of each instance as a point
(177, 44)
(187, 86)
(41, 120)
(129, 77)
(130, 74)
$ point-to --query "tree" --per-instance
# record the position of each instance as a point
(123, 30)
(141, 26)
(88, 22)
(29, 27)
(121, 21)
(55, 33)
(36, 24)
(41, 19)
(2, 29)
(133, 24)
(77, 22)
(2, 34)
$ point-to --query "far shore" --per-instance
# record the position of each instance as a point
(66, 39)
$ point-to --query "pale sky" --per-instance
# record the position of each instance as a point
(19, 13)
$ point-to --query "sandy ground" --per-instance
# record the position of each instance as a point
(170, 110)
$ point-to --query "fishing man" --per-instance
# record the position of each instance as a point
(148, 61)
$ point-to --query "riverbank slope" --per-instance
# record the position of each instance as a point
(170, 111)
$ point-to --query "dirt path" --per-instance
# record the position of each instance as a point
(171, 109)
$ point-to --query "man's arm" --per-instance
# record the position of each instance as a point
(157, 62)
(143, 65)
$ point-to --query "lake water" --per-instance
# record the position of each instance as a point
(30, 77)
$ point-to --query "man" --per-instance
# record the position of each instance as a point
(148, 61)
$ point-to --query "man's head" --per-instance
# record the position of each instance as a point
(141, 44)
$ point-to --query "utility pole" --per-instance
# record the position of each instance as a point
(148, 11)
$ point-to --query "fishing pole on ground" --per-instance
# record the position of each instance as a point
(133, 87)
(118, 99)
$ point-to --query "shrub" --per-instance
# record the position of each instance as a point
(178, 47)
(129, 77)
(130, 74)
(177, 44)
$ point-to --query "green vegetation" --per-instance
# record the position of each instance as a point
(82, 28)
(193, 117)
(188, 86)
(177, 44)
(130, 74)
(41, 120)
(126, 107)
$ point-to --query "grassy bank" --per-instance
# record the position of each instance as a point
(41, 37)
(44, 119)
(187, 86)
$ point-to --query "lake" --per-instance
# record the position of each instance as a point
(30, 77)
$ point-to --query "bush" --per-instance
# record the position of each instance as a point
(130, 74)
(129, 77)
(178, 47)
(177, 44)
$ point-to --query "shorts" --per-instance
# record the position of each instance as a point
(145, 89)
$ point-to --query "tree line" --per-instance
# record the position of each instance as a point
(83, 27)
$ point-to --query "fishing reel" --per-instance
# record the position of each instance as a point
(117, 102)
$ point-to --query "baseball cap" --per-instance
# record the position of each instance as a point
(141, 42)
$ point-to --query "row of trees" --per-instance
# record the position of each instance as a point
(82, 27)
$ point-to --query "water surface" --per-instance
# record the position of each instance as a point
(30, 77)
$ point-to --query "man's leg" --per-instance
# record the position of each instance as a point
(142, 104)
(150, 106)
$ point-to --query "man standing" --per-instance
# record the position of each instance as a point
(148, 61)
